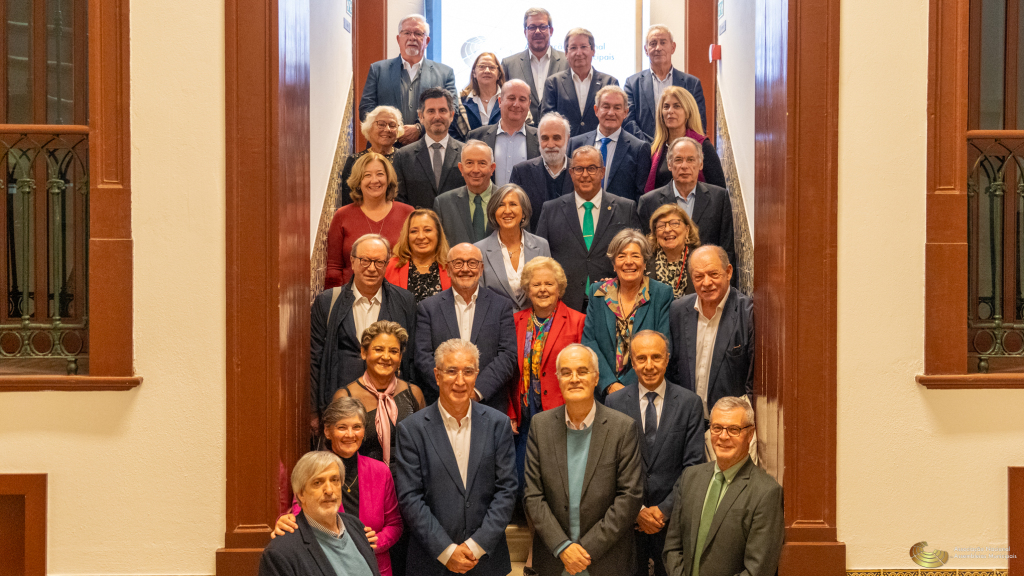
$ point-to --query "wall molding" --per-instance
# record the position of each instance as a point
(929, 572)
(744, 264)
(33, 488)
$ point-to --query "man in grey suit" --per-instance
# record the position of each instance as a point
(728, 517)
(583, 478)
(510, 138)
(463, 211)
(399, 82)
(571, 92)
(426, 168)
(539, 60)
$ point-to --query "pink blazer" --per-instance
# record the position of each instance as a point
(378, 507)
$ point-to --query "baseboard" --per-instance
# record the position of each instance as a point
(928, 572)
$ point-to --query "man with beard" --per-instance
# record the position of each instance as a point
(426, 168)
(571, 92)
(463, 211)
(547, 176)
(511, 139)
(539, 60)
(400, 82)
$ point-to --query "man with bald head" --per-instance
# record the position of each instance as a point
(463, 211)
(511, 139)
(547, 176)
(471, 312)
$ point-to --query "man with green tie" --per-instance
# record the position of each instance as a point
(728, 516)
(463, 211)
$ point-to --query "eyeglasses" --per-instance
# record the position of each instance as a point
(486, 68)
(734, 431)
(417, 35)
(367, 262)
(577, 170)
(537, 27)
(453, 373)
(671, 224)
(382, 124)
(471, 264)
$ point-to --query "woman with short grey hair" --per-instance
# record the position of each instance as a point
(507, 250)
(622, 306)
(382, 127)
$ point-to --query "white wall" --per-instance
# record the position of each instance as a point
(736, 82)
(671, 13)
(136, 479)
(398, 9)
(330, 74)
(913, 464)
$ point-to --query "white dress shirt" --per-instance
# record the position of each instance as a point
(512, 274)
(509, 150)
(583, 88)
(430, 141)
(539, 67)
(614, 136)
(365, 310)
(581, 211)
(660, 85)
(464, 313)
(659, 403)
(587, 422)
(412, 69)
(459, 434)
(707, 332)
(565, 164)
(687, 203)
(486, 109)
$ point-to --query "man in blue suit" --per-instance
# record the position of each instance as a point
(399, 81)
(547, 176)
(455, 474)
(644, 88)
(539, 60)
(670, 420)
(627, 159)
(571, 92)
(475, 313)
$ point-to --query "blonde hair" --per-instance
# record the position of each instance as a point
(692, 238)
(686, 100)
(402, 251)
(356, 179)
(536, 264)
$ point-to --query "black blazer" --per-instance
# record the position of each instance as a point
(299, 554)
(560, 225)
(732, 361)
(489, 134)
(628, 168)
(494, 333)
(518, 66)
(712, 213)
(531, 176)
(416, 175)
(334, 346)
(560, 96)
(679, 442)
(643, 108)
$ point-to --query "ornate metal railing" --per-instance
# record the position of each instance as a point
(44, 233)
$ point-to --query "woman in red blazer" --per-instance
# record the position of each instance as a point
(420, 256)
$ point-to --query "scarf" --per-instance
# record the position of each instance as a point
(609, 290)
(387, 412)
(652, 176)
(533, 352)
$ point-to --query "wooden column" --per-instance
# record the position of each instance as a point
(369, 44)
(1015, 531)
(701, 33)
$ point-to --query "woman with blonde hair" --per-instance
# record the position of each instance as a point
(677, 116)
(420, 256)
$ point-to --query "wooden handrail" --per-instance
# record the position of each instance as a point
(993, 134)
(43, 129)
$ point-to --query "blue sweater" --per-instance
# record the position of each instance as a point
(343, 554)
(577, 444)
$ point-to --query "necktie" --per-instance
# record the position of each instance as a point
(651, 420)
(710, 506)
(436, 161)
(604, 156)
(478, 217)
(588, 224)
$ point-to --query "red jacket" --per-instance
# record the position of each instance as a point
(566, 328)
(400, 276)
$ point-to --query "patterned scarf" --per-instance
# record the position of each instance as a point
(623, 324)
(386, 410)
(533, 352)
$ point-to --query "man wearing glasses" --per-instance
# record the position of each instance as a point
(579, 226)
(455, 474)
(539, 60)
(728, 516)
(339, 316)
(474, 313)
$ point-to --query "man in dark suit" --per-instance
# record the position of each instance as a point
(455, 474)
(463, 211)
(713, 333)
(644, 88)
(707, 205)
(579, 226)
(583, 478)
(546, 177)
(627, 159)
(326, 542)
(728, 518)
(510, 138)
(671, 423)
(400, 82)
(339, 316)
(426, 168)
(571, 92)
(539, 60)
(475, 313)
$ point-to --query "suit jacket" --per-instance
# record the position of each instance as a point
(384, 84)
(712, 213)
(299, 554)
(679, 442)
(566, 328)
(452, 207)
(494, 276)
(611, 497)
(416, 174)
(493, 334)
(531, 177)
(643, 108)
(560, 96)
(438, 509)
(560, 224)
(627, 170)
(489, 135)
(518, 66)
(746, 533)
(732, 360)
(599, 329)
(334, 346)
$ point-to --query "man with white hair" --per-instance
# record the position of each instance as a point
(399, 81)
(547, 176)
(511, 139)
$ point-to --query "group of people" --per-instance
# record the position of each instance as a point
(533, 319)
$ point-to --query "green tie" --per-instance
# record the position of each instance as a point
(710, 506)
(588, 224)
(478, 217)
